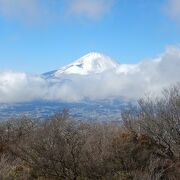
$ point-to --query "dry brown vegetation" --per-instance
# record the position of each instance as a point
(147, 146)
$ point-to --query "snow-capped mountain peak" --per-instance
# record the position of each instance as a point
(92, 63)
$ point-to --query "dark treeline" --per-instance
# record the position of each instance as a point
(146, 147)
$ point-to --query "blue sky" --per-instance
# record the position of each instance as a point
(36, 36)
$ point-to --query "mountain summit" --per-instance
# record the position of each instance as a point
(92, 63)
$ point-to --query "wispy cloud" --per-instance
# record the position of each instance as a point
(90, 8)
(173, 9)
(146, 76)
(37, 11)
(25, 10)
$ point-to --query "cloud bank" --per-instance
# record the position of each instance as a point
(130, 81)
(37, 11)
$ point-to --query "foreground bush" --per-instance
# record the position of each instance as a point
(159, 119)
(146, 147)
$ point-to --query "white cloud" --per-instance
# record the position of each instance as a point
(173, 9)
(146, 76)
(38, 11)
(17, 87)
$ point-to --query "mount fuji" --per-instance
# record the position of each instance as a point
(92, 63)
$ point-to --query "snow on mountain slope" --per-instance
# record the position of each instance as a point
(92, 63)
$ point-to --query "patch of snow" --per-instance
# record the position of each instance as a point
(92, 63)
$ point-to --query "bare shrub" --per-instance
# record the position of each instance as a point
(159, 119)
(13, 168)
(146, 147)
